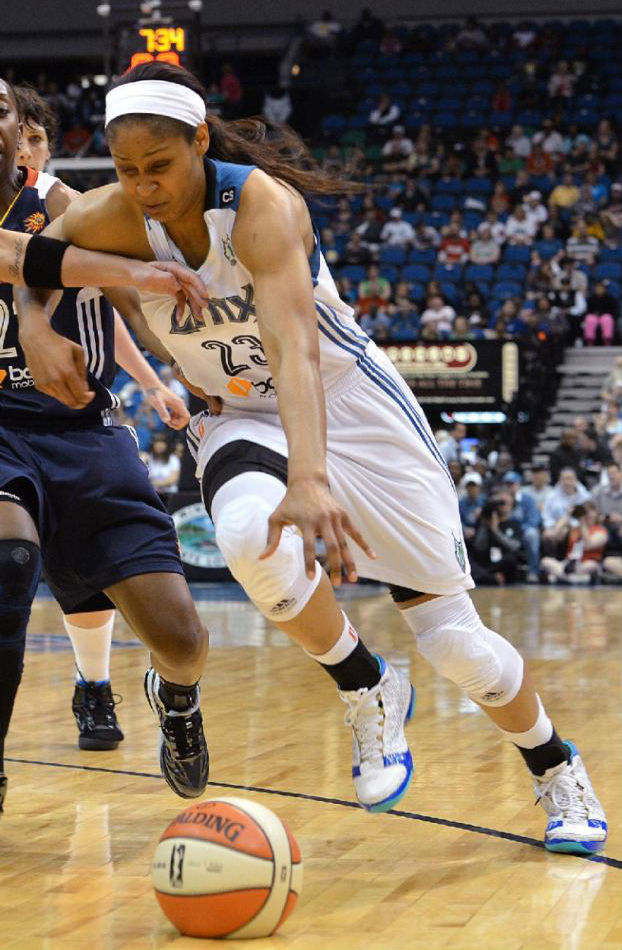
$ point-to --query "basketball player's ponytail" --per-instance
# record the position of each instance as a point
(277, 150)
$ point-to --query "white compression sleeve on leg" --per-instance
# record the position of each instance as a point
(451, 636)
(91, 648)
(279, 586)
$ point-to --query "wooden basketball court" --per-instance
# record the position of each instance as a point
(458, 866)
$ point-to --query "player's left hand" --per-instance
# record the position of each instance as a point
(169, 406)
(309, 505)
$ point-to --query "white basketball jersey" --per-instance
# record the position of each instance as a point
(222, 351)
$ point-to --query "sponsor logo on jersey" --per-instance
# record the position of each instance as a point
(227, 249)
(34, 222)
(16, 377)
(240, 387)
(227, 196)
(459, 552)
(197, 538)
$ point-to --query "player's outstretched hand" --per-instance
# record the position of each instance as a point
(309, 505)
(175, 280)
(57, 366)
(169, 406)
(214, 403)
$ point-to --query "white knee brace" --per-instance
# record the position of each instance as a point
(451, 636)
(278, 586)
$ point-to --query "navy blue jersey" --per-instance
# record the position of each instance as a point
(84, 316)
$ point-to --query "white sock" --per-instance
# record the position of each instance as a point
(540, 732)
(91, 647)
(342, 649)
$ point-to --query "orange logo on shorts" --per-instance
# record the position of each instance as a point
(240, 387)
(3, 375)
(35, 222)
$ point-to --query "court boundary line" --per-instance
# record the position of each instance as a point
(304, 796)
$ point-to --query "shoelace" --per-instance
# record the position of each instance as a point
(570, 793)
(366, 717)
(184, 731)
(100, 702)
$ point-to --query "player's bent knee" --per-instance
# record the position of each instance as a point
(278, 586)
(20, 570)
(451, 636)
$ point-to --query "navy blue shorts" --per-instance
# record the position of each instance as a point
(99, 518)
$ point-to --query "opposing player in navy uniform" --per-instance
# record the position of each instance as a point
(75, 499)
(90, 625)
(317, 430)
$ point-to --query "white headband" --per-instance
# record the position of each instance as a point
(155, 97)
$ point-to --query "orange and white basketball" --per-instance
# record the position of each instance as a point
(227, 867)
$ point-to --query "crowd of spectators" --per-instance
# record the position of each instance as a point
(556, 523)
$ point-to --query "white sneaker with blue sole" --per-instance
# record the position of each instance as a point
(382, 766)
(577, 822)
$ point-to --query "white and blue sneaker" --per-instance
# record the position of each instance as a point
(382, 766)
(577, 822)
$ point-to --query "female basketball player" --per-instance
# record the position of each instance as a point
(90, 625)
(75, 499)
(317, 430)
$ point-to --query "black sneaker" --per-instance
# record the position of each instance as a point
(93, 706)
(3, 785)
(184, 759)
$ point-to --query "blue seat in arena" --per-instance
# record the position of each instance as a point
(449, 105)
(502, 120)
(478, 186)
(384, 202)
(608, 270)
(479, 272)
(471, 219)
(443, 203)
(608, 254)
(430, 89)
(354, 272)
(333, 124)
(417, 291)
(512, 272)
(614, 289)
(393, 255)
(438, 219)
(548, 249)
(413, 217)
(448, 273)
(445, 120)
(389, 272)
(450, 292)
(427, 256)
(449, 186)
(505, 289)
(517, 254)
(416, 272)
(404, 328)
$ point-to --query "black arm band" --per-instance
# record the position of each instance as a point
(43, 261)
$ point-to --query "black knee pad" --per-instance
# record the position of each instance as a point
(401, 594)
(20, 570)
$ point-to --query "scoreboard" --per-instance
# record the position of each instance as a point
(143, 44)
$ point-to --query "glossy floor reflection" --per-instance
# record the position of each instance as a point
(75, 843)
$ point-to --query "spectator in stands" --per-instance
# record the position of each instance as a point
(509, 162)
(475, 310)
(581, 246)
(613, 420)
(611, 215)
(472, 35)
(376, 322)
(521, 187)
(374, 291)
(497, 228)
(438, 315)
(397, 150)
(550, 138)
(502, 100)
(454, 248)
(519, 228)
(481, 161)
(277, 105)
(484, 249)
(578, 159)
(561, 82)
(540, 488)
(369, 231)
(231, 88)
(613, 382)
(450, 442)
(500, 200)
(397, 232)
(367, 27)
(471, 503)
(462, 330)
(329, 247)
(164, 465)
(602, 310)
(585, 545)
(496, 545)
(456, 471)
(539, 162)
(565, 195)
(383, 117)
(356, 252)
(566, 455)
(325, 31)
(567, 493)
(535, 209)
(586, 204)
(425, 237)
(519, 142)
(525, 511)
